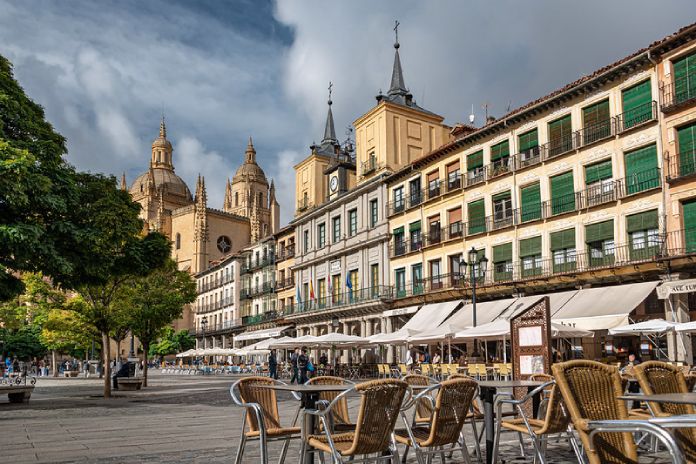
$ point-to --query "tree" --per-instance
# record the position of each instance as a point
(153, 302)
(66, 330)
(172, 342)
(23, 343)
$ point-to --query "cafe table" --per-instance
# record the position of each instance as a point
(489, 388)
(676, 398)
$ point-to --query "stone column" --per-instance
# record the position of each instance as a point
(345, 356)
(678, 344)
(390, 349)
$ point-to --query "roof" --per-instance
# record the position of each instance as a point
(163, 177)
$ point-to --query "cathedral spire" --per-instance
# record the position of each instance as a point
(124, 186)
(162, 149)
(227, 202)
(163, 129)
(250, 153)
(329, 144)
(397, 87)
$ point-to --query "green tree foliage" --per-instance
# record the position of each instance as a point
(172, 342)
(153, 302)
(23, 343)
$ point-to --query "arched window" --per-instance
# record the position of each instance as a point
(260, 199)
(236, 198)
(178, 241)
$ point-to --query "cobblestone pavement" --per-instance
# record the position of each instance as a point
(176, 419)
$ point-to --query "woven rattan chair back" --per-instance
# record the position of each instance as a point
(452, 405)
(590, 391)
(380, 403)
(557, 418)
(265, 397)
(690, 381)
(424, 409)
(660, 377)
(340, 409)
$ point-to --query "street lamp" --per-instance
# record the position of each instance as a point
(476, 265)
(204, 323)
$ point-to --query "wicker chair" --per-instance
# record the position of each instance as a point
(449, 411)
(380, 403)
(660, 377)
(424, 408)
(556, 421)
(261, 416)
(590, 393)
(339, 420)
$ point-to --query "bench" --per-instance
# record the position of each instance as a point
(17, 389)
(130, 383)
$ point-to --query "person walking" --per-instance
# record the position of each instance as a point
(293, 363)
(273, 365)
(302, 363)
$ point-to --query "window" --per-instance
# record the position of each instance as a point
(305, 293)
(600, 187)
(306, 241)
(685, 78)
(641, 169)
(178, 241)
(563, 250)
(689, 217)
(636, 104)
(321, 235)
(415, 236)
(643, 235)
(374, 212)
(686, 137)
(562, 193)
(454, 219)
(474, 168)
(455, 269)
(417, 279)
(502, 262)
(502, 210)
(500, 158)
(236, 198)
(596, 122)
(336, 228)
(374, 279)
(477, 217)
(530, 257)
(454, 179)
(529, 148)
(336, 289)
(398, 199)
(414, 191)
(435, 274)
(352, 222)
(599, 239)
(399, 242)
(433, 230)
(530, 197)
(261, 200)
(353, 277)
(433, 184)
(400, 281)
(321, 290)
(560, 136)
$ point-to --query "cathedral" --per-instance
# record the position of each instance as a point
(201, 234)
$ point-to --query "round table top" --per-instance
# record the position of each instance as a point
(677, 398)
(509, 383)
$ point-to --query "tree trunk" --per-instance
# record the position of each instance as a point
(53, 363)
(146, 350)
(106, 355)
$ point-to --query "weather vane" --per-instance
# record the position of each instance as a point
(330, 88)
(396, 31)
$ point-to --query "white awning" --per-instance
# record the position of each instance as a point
(400, 311)
(556, 300)
(603, 308)
(500, 328)
(290, 342)
(651, 326)
(427, 318)
(262, 334)
(678, 286)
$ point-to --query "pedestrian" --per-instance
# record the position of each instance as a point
(426, 357)
(273, 365)
(293, 362)
(436, 358)
(302, 364)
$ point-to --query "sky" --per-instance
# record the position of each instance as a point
(221, 71)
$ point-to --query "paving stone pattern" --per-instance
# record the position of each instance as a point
(177, 419)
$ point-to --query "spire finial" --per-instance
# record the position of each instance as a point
(396, 34)
(330, 89)
(163, 128)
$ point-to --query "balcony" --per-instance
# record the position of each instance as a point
(345, 299)
(681, 165)
(680, 242)
(593, 133)
(303, 205)
(259, 318)
(415, 198)
(529, 157)
(678, 94)
(405, 247)
(500, 167)
(285, 253)
(369, 166)
(434, 190)
(454, 182)
(636, 117)
(285, 283)
(475, 176)
(560, 146)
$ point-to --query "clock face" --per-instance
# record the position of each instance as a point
(333, 183)
(224, 244)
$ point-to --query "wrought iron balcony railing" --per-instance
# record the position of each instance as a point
(341, 299)
(681, 165)
(679, 94)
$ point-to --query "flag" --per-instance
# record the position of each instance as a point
(311, 290)
(349, 284)
(298, 297)
(331, 291)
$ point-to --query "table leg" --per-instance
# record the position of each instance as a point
(487, 395)
(536, 402)
(309, 401)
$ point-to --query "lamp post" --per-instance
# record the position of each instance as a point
(204, 323)
(475, 265)
(334, 325)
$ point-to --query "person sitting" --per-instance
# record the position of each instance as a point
(122, 372)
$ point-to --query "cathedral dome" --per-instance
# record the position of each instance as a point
(163, 177)
(249, 169)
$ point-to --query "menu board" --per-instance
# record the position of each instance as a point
(530, 331)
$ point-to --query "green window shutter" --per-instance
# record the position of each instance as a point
(595, 114)
(474, 160)
(641, 169)
(502, 252)
(598, 171)
(642, 221)
(689, 213)
(685, 78)
(530, 246)
(687, 149)
(562, 193)
(414, 226)
(528, 140)
(560, 136)
(531, 202)
(399, 231)
(600, 231)
(500, 150)
(636, 104)
(501, 196)
(477, 217)
(563, 239)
